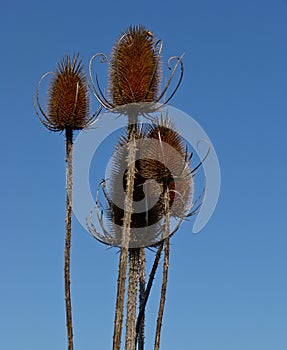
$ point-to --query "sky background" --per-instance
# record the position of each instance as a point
(227, 285)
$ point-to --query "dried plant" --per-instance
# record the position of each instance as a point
(150, 163)
(161, 156)
(167, 162)
(68, 108)
(134, 76)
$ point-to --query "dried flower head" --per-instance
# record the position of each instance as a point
(68, 105)
(162, 164)
(165, 160)
(134, 68)
(146, 217)
(135, 73)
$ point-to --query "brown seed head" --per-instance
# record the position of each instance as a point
(135, 68)
(161, 164)
(118, 180)
(145, 222)
(165, 160)
(69, 103)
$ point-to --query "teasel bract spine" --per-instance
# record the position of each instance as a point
(68, 109)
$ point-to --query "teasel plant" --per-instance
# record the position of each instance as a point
(165, 181)
(135, 72)
(68, 108)
(166, 160)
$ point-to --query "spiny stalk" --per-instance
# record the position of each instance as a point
(68, 109)
(125, 243)
(142, 285)
(165, 270)
(67, 261)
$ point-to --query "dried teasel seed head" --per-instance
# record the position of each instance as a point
(166, 161)
(68, 104)
(149, 215)
(161, 165)
(145, 221)
(134, 74)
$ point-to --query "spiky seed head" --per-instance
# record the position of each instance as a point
(118, 177)
(68, 96)
(161, 164)
(145, 223)
(165, 161)
(134, 74)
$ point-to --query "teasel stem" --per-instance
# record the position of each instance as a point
(128, 207)
(134, 265)
(68, 109)
(67, 262)
(132, 298)
(120, 299)
(165, 270)
(141, 315)
(142, 285)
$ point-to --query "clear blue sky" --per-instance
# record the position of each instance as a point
(227, 287)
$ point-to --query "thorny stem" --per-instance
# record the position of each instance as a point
(163, 294)
(142, 284)
(132, 298)
(67, 263)
(141, 314)
(120, 299)
(134, 253)
(125, 239)
(165, 272)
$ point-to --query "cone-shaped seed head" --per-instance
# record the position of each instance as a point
(161, 164)
(165, 160)
(144, 225)
(69, 102)
(134, 74)
(148, 216)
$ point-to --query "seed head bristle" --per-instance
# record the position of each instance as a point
(134, 74)
(68, 96)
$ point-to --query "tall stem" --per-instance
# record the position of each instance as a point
(67, 262)
(132, 298)
(120, 299)
(133, 253)
(142, 285)
(165, 270)
(163, 295)
(147, 291)
(128, 208)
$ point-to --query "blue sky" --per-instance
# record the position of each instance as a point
(227, 285)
